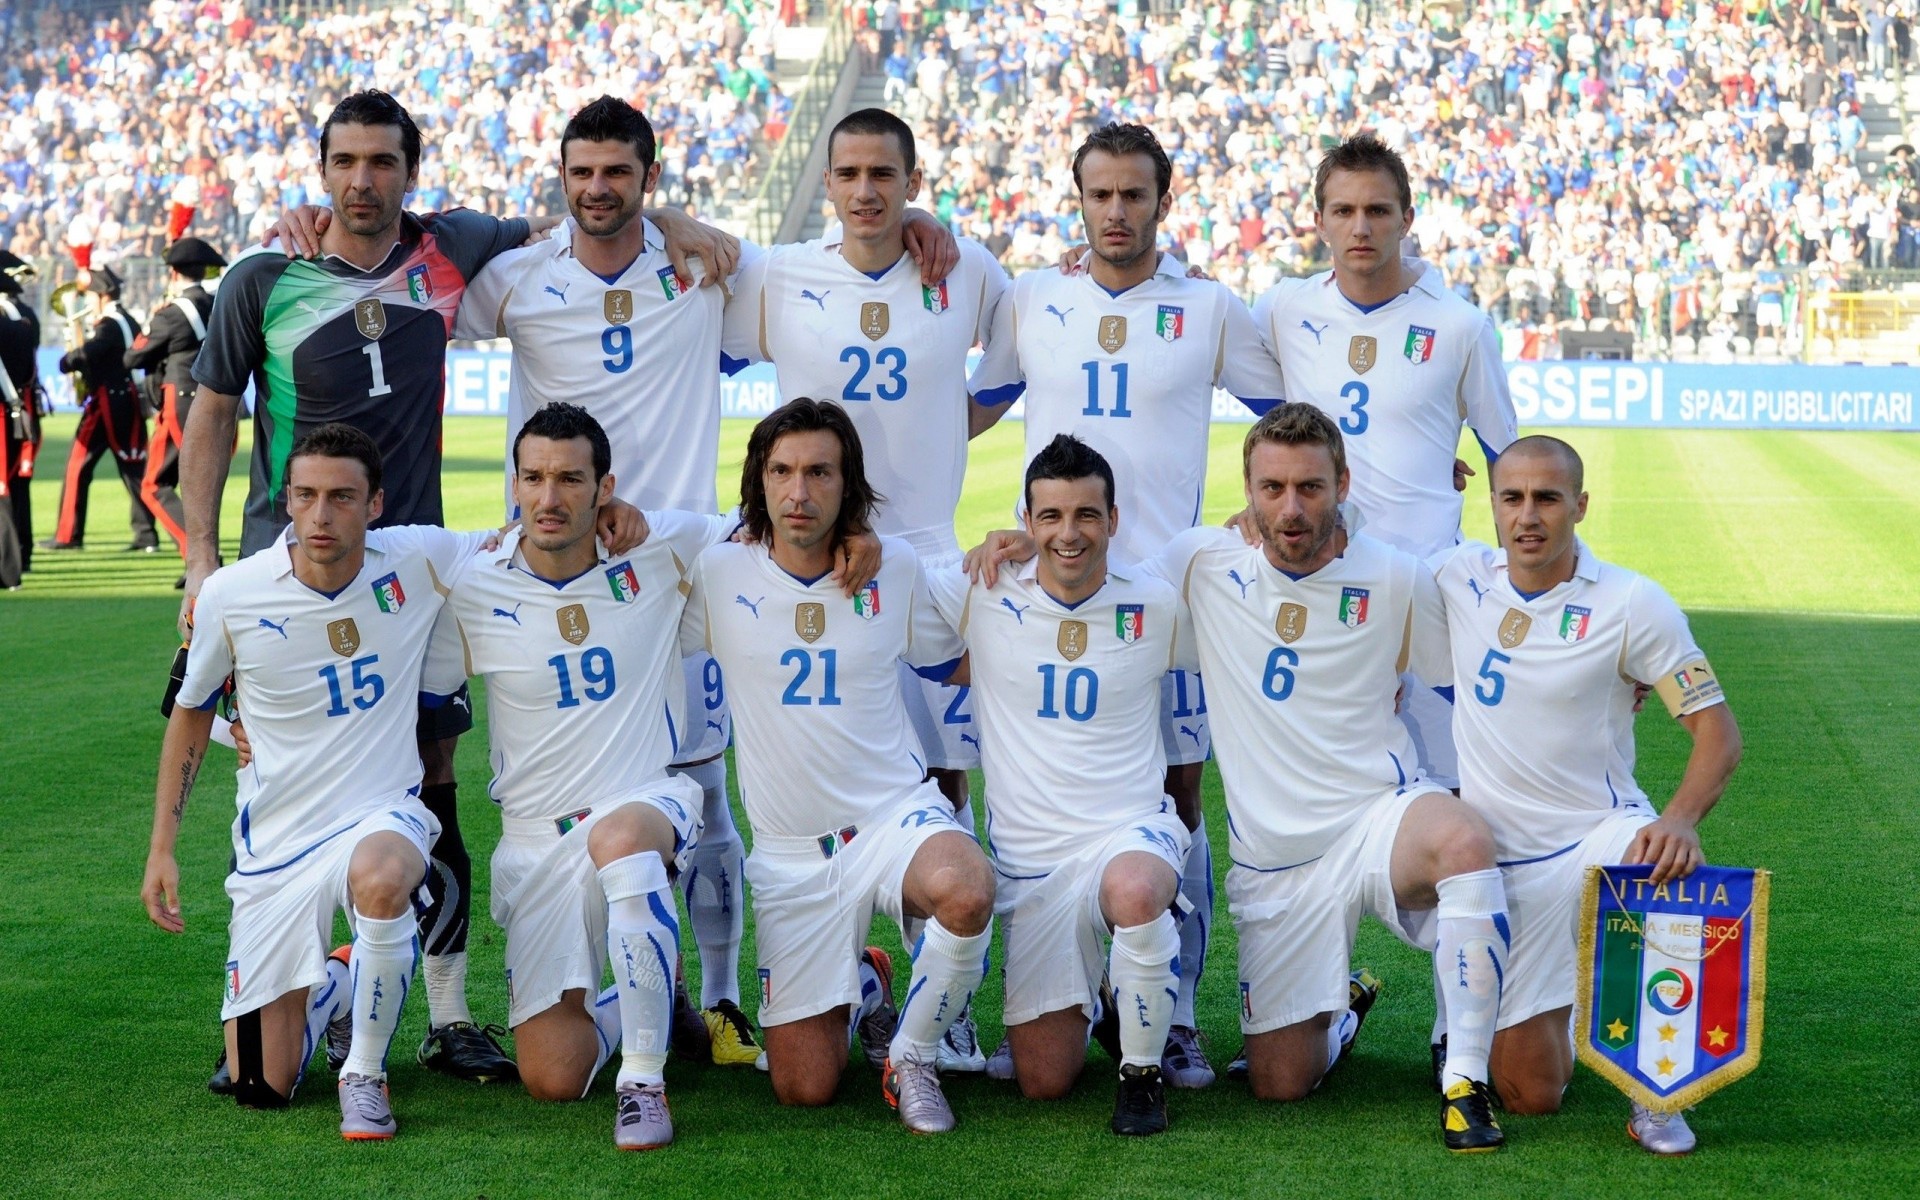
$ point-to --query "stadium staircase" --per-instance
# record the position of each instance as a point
(799, 51)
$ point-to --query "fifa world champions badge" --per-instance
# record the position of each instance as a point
(1673, 981)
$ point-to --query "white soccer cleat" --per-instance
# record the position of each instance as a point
(960, 1048)
(1661, 1133)
(1000, 1063)
(1183, 1063)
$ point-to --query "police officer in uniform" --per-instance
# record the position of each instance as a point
(19, 418)
(110, 419)
(174, 333)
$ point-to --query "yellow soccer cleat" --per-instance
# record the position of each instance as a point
(733, 1042)
(1466, 1118)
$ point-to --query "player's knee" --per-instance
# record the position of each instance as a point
(619, 834)
(1465, 844)
(1283, 1084)
(967, 905)
(1530, 1095)
(1133, 900)
(554, 1083)
(1039, 1084)
(382, 885)
(804, 1090)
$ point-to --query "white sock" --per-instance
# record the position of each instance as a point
(946, 970)
(716, 904)
(643, 940)
(872, 996)
(446, 977)
(1470, 961)
(325, 1001)
(1339, 1033)
(606, 1027)
(384, 954)
(1143, 967)
(1196, 884)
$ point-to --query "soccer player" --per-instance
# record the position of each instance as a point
(579, 648)
(844, 819)
(1125, 356)
(853, 320)
(323, 634)
(1401, 361)
(1066, 658)
(1548, 645)
(1303, 638)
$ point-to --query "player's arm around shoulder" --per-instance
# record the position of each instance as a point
(998, 379)
(183, 751)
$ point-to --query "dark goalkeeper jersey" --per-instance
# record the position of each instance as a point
(325, 341)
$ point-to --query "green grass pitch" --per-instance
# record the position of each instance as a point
(1795, 554)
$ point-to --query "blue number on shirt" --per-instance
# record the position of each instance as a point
(1180, 706)
(1119, 372)
(1355, 422)
(617, 342)
(596, 669)
(716, 688)
(1490, 696)
(803, 659)
(367, 686)
(891, 359)
(1082, 693)
(954, 716)
(1278, 681)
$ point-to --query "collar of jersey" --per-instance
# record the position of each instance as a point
(509, 550)
(1585, 567)
(652, 241)
(1425, 279)
(283, 554)
(411, 231)
(832, 250)
(1029, 572)
(1167, 267)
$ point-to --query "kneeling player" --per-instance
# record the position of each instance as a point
(1066, 656)
(1554, 641)
(580, 651)
(844, 821)
(323, 634)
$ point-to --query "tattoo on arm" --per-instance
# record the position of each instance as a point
(189, 768)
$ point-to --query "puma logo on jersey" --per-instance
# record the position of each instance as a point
(1308, 326)
(1244, 583)
(1479, 593)
(1062, 315)
(560, 292)
(280, 629)
(967, 737)
(513, 616)
(821, 299)
(751, 605)
(1188, 730)
(716, 726)
(460, 701)
(1018, 610)
(308, 308)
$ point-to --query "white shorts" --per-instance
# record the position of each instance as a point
(1054, 932)
(1543, 915)
(1296, 924)
(814, 899)
(709, 718)
(1184, 733)
(282, 924)
(942, 714)
(546, 895)
(1428, 716)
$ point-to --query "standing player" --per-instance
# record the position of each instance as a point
(323, 635)
(1066, 657)
(853, 321)
(1304, 637)
(110, 420)
(1126, 357)
(174, 334)
(1554, 641)
(579, 648)
(844, 820)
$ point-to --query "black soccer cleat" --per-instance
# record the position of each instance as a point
(222, 1082)
(1466, 1119)
(470, 1052)
(690, 1039)
(1140, 1104)
(1439, 1052)
(1106, 1031)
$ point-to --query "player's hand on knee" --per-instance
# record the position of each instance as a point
(160, 891)
(1671, 846)
(856, 562)
(1242, 524)
(299, 231)
(622, 526)
(932, 245)
(982, 563)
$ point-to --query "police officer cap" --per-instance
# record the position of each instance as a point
(13, 269)
(104, 281)
(193, 252)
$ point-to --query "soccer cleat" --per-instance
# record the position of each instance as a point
(1661, 1133)
(1000, 1064)
(1140, 1106)
(1363, 991)
(365, 1114)
(1237, 1069)
(470, 1052)
(1183, 1063)
(340, 1029)
(1466, 1118)
(1105, 1030)
(222, 1082)
(641, 1120)
(913, 1089)
(960, 1048)
(691, 1039)
(878, 1027)
(1439, 1052)
(730, 1036)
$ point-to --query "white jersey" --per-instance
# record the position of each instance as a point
(1132, 376)
(822, 735)
(1301, 676)
(328, 685)
(1399, 380)
(641, 354)
(1544, 691)
(585, 696)
(1068, 698)
(891, 351)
